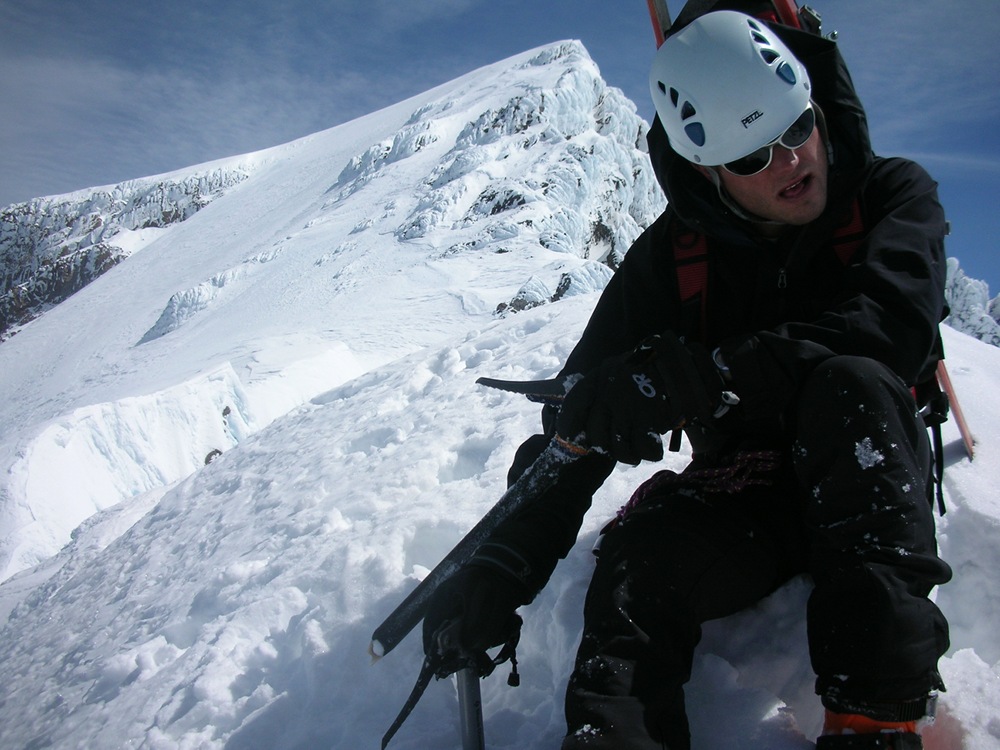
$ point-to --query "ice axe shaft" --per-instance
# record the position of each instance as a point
(541, 475)
(470, 708)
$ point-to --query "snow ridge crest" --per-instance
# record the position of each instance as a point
(52, 247)
(560, 163)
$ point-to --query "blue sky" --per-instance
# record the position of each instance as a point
(106, 90)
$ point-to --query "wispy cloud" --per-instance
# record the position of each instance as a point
(925, 67)
(968, 163)
(106, 90)
(191, 92)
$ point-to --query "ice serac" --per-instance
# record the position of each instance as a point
(972, 310)
(52, 247)
(561, 166)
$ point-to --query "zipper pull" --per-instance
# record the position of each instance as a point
(782, 279)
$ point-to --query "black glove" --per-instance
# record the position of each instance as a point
(471, 611)
(624, 406)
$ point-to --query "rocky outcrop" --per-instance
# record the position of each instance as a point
(562, 167)
(52, 247)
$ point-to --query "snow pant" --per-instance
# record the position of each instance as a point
(846, 500)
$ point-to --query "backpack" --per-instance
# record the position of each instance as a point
(786, 12)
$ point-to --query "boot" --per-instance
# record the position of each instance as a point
(857, 732)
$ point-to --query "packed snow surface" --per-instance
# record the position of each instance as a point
(230, 457)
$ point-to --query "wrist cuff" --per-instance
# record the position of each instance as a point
(507, 562)
(911, 710)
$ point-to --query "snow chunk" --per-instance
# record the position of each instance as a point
(867, 454)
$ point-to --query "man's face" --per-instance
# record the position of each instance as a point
(792, 190)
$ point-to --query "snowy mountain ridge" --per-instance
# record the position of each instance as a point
(526, 183)
(52, 247)
(227, 458)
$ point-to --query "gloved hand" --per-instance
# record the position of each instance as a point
(471, 611)
(624, 405)
(621, 408)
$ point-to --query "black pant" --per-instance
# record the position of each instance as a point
(847, 500)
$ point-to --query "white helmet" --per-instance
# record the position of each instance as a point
(724, 86)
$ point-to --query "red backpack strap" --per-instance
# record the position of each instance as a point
(691, 262)
(849, 233)
(690, 250)
(787, 12)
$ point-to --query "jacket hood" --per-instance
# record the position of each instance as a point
(696, 201)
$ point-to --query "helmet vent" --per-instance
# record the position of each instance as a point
(696, 132)
(674, 96)
(687, 111)
(764, 44)
(786, 73)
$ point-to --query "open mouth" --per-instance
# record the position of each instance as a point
(796, 189)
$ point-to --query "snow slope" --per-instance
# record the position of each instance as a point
(322, 324)
(334, 253)
(236, 611)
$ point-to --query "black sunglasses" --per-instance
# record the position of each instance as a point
(796, 136)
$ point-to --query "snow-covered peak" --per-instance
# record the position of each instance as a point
(516, 184)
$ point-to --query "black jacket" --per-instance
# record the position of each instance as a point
(776, 309)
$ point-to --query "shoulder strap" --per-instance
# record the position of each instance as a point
(690, 251)
(849, 233)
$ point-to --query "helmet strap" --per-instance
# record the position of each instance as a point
(823, 132)
(729, 202)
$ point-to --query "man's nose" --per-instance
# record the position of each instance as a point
(784, 158)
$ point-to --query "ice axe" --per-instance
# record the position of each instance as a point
(538, 478)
